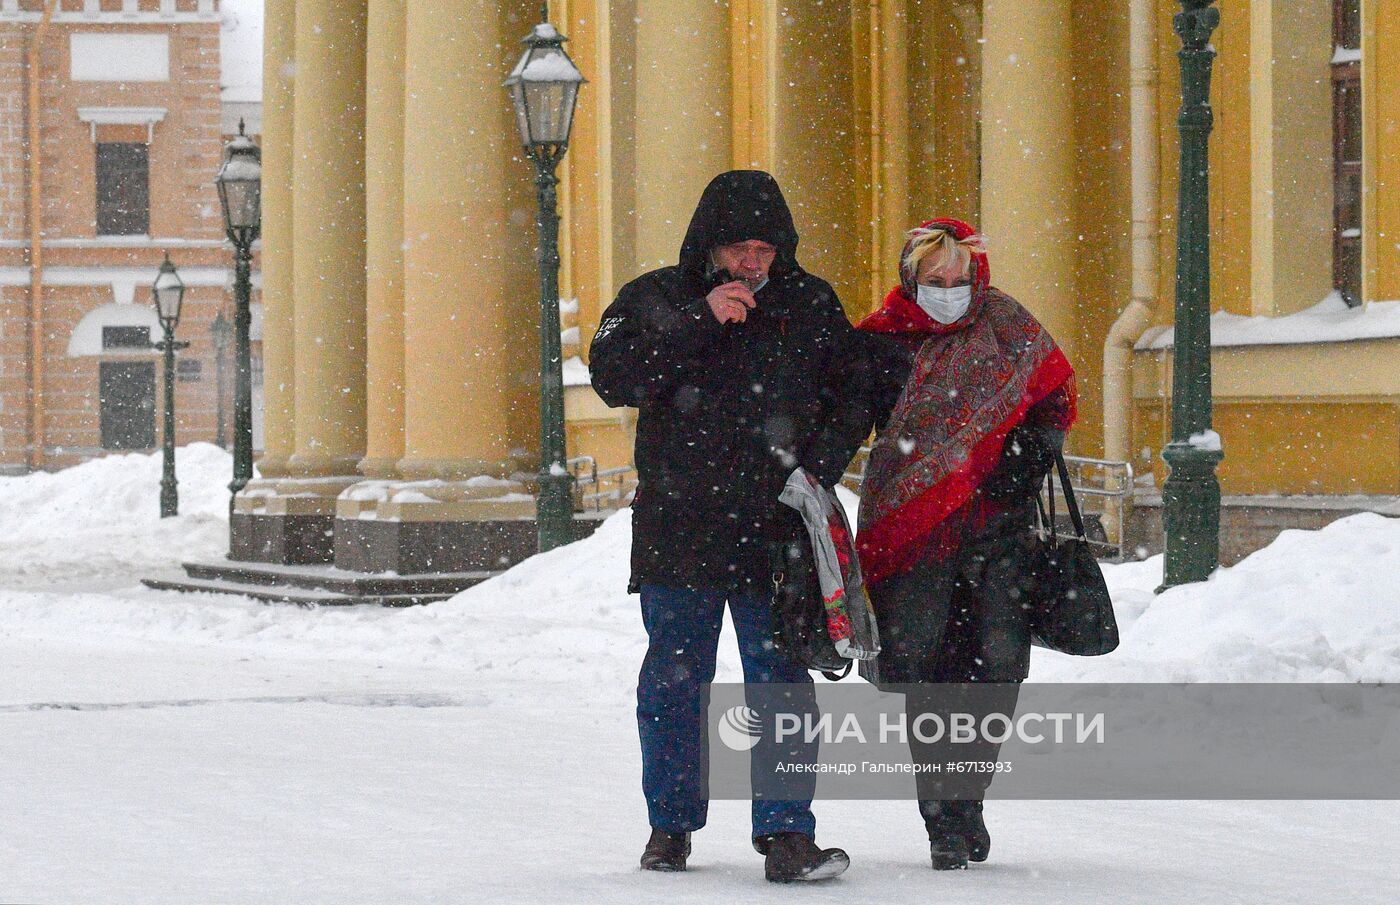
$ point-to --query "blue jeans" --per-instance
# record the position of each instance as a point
(683, 628)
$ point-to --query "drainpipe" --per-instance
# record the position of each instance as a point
(36, 250)
(1146, 190)
(877, 160)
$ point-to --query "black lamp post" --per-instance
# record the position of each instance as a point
(240, 194)
(168, 293)
(544, 88)
(1191, 493)
(222, 332)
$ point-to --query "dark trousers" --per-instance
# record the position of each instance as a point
(683, 627)
(959, 629)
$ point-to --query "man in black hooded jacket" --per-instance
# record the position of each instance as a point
(736, 359)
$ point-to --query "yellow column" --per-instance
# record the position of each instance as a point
(471, 314)
(1380, 92)
(384, 138)
(329, 222)
(753, 67)
(890, 137)
(683, 117)
(806, 60)
(279, 54)
(588, 167)
(1291, 155)
(1028, 158)
(945, 79)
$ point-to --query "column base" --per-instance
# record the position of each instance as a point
(414, 527)
(287, 521)
(417, 548)
(299, 540)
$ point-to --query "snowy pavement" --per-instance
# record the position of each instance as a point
(159, 747)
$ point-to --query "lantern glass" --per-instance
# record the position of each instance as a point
(168, 293)
(240, 185)
(551, 110)
(544, 89)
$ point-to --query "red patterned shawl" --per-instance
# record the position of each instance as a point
(971, 382)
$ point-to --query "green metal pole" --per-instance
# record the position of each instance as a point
(220, 332)
(1191, 494)
(555, 508)
(169, 496)
(243, 371)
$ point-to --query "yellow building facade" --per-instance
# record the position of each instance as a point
(401, 315)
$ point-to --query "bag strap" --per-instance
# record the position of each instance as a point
(1070, 501)
(1047, 522)
(838, 676)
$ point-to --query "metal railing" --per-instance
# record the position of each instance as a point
(1109, 495)
(1102, 487)
(601, 490)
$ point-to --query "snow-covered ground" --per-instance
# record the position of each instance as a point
(159, 747)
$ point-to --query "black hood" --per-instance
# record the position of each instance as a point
(738, 206)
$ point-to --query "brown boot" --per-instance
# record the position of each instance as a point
(666, 851)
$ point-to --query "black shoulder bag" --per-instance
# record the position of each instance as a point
(1072, 612)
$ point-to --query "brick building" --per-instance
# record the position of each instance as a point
(129, 103)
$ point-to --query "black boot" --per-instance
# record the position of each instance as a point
(794, 856)
(948, 821)
(948, 851)
(974, 830)
(666, 851)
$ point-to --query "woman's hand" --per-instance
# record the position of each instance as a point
(1026, 458)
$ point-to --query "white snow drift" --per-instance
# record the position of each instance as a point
(1314, 606)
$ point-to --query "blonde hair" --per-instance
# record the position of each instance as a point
(939, 241)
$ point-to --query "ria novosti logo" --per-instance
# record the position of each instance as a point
(739, 728)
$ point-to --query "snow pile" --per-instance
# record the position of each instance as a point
(563, 616)
(101, 519)
(1314, 606)
(1330, 320)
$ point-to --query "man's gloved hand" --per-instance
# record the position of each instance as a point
(1026, 458)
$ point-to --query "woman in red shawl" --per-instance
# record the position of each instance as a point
(972, 399)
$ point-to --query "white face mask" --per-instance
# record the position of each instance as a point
(945, 304)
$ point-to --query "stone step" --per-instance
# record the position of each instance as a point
(308, 597)
(329, 578)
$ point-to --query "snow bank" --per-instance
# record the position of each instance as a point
(1314, 606)
(101, 520)
(1330, 320)
(563, 616)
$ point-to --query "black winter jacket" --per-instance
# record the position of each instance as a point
(726, 411)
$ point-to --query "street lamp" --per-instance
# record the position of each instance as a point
(222, 332)
(1191, 493)
(543, 87)
(168, 294)
(240, 194)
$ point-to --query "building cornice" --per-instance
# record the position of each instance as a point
(106, 276)
(91, 14)
(122, 242)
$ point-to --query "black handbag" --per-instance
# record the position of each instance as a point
(1071, 611)
(799, 618)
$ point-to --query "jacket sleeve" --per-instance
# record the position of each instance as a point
(863, 376)
(1029, 451)
(647, 341)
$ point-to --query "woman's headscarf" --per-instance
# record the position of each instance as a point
(970, 383)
